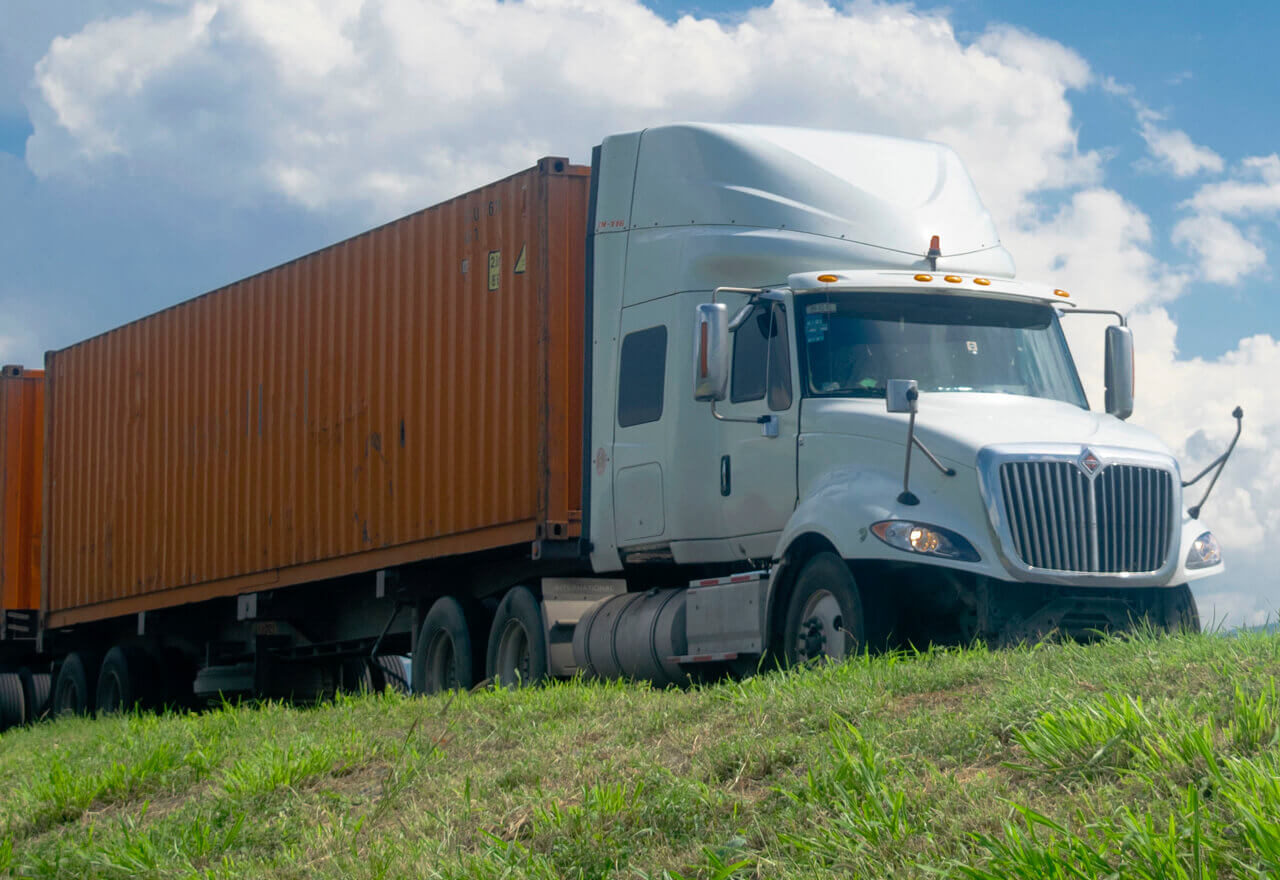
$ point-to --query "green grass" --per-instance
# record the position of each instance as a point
(1139, 758)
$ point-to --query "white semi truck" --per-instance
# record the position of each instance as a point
(732, 394)
(811, 359)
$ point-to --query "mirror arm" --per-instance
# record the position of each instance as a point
(906, 496)
(1123, 322)
(1220, 463)
(753, 420)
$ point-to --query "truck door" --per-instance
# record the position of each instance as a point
(639, 447)
(757, 471)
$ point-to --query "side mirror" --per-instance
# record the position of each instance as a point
(711, 352)
(900, 396)
(1119, 371)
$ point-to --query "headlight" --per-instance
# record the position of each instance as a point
(1204, 552)
(925, 539)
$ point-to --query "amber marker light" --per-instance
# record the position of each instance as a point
(1061, 293)
(827, 279)
(954, 279)
(985, 282)
(923, 277)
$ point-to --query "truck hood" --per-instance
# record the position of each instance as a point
(956, 425)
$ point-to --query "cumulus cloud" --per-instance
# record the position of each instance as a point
(367, 108)
(1255, 189)
(1224, 253)
(1174, 150)
(383, 105)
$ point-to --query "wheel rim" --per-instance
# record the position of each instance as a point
(514, 658)
(821, 632)
(442, 663)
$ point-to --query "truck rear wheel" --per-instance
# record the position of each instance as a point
(444, 656)
(72, 694)
(517, 654)
(824, 613)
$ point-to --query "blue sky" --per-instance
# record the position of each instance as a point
(151, 150)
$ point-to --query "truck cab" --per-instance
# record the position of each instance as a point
(761, 300)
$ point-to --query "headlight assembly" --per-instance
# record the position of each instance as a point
(1204, 552)
(925, 539)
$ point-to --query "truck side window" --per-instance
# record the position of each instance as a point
(760, 359)
(779, 362)
(641, 375)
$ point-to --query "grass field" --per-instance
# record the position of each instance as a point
(1145, 758)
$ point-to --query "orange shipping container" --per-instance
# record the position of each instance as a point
(21, 487)
(413, 392)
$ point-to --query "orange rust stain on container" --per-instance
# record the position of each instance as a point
(21, 486)
(408, 393)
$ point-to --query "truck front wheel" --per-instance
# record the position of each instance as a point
(1179, 610)
(824, 613)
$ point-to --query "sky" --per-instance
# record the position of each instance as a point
(151, 150)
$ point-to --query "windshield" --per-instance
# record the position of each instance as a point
(851, 344)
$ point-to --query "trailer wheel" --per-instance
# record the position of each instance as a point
(35, 687)
(13, 701)
(517, 654)
(71, 690)
(444, 656)
(386, 671)
(129, 679)
(824, 613)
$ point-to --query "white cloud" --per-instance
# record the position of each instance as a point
(388, 104)
(1174, 150)
(1254, 190)
(366, 108)
(1224, 253)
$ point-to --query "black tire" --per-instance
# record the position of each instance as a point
(72, 689)
(517, 653)
(1180, 614)
(129, 678)
(824, 613)
(386, 671)
(444, 655)
(36, 687)
(13, 702)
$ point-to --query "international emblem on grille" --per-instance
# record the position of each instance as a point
(1089, 462)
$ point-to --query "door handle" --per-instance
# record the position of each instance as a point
(725, 480)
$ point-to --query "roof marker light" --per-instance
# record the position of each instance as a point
(827, 279)
(954, 279)
(985, 282)
(923, 277)
(1061, 293)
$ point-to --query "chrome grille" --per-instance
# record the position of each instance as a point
(1123, 522)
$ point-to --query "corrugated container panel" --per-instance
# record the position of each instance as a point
(21, 486)
(412, 392)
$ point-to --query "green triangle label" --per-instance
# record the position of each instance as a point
(519, 269)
